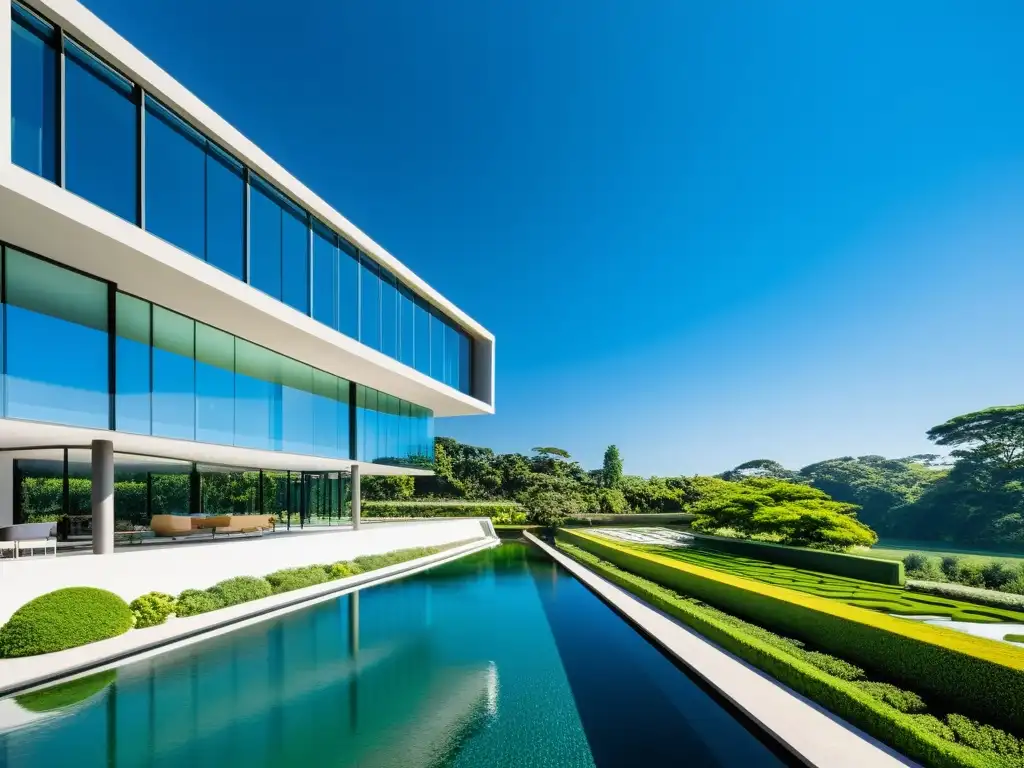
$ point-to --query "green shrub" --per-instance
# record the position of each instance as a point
(918, 566)
(1012, 638)
(64, 618)
(151, 609)
(440, 509)
(837, 563)
(985, 737)
(970, 575)
(997, 574)
(340, 570)
(1015, 586)
(950, 567)
(192, 602)
(922, 737)
(67, 694)
(915, 561)
(836, 667)
(958, 669)
(296, 578)
(240, 589)
(897, 698)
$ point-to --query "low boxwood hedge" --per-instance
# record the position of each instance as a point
(838, 563)
(193, 602)
(960, 670)
(62, 619)
(505, 511)
(151, 609)
(241, 589)
(920, 736)
(296, 578)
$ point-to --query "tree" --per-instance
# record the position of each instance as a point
(611, 471)
(759, 468)
(550, 450)
(995, 434)
(611, 501)
(387, 487)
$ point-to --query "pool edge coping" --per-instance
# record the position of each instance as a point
(802, 728)
(109, 654)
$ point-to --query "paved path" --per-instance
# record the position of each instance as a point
(812, 734)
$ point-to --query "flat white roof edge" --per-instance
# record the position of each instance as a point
(91, 31)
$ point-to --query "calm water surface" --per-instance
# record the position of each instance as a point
(498, 659)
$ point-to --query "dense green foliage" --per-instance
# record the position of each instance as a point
(785, 512)
(241, 589)
(839, 564)
(297, 578)
(976, 595)
(64, 618)
(192, 602)
(151, 609)
(881, 709)
(611, 467)
(509, 512)
(67, 694)
(960, 671)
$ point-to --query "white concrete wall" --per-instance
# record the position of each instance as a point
(172, 568)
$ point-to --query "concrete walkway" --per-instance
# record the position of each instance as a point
(812, 734)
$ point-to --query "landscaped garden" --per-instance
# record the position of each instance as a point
(863, 594)
(941, 697)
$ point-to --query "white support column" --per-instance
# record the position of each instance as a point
(6, 490)
(5, 87)
(356, 501)
(102, 497)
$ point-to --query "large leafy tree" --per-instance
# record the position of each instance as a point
(759, 468)
(993, 435)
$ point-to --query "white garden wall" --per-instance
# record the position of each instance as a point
(171, 568)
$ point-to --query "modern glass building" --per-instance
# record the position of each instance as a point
(184, 319)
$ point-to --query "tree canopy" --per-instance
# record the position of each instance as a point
(611, 470)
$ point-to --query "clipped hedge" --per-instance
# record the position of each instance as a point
(62, 619)
(978, 595)
(193, 602)
(915, 735)
(240, 589)
(838, 563)
(151, 609)
(506, 510)
(296, 578)
(959, 669)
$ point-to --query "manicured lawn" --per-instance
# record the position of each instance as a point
(895, 549)
(864, 594)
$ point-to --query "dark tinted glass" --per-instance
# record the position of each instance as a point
(264, 240)
(34, 62)
(388, 315)
(225, 213)
(369, 303)
(295, 258)
(325, 281)
(348, 290)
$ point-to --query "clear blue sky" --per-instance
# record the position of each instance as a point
(705, 231)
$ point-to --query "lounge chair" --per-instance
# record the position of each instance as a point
(174, 526)
(242, 523)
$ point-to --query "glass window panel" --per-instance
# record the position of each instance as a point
(134, 388)
(348, 290)
(68, 382)
(388, 315)
(404, 430)
(215, 385)
(257, 396)
(422, 357)
(325, 280)
(295, 259)
(406, 326)
(264, 241)
(175, 180)
(100, 134)
(39, 488)
(297, 407)
(369, 303)
(326, 414)
(451, 356)
(370, 451)
(171, 495)
(174, 375)
(437, 334)
(344, 437)
(361, 423)
(34, 62)
(225, 213)
(391, 451)
(465, 363)
(428, 417)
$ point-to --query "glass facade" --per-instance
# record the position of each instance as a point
(55, 484)
(199, 198)
(176, 377)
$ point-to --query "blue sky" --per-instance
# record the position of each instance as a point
(704, 231)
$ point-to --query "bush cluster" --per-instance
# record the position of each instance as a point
(978, 595)
(875, 707)
(152, 609)
(192, 602)
(62, 619)
(296, 578)
(993, 575)
(240, 589)
(509, 511)
(959, 670)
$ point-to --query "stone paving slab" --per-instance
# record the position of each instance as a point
(808, 731)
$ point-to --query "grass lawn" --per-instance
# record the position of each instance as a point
(894, 549)
(864, 594)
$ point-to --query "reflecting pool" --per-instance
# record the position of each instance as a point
(498, 659)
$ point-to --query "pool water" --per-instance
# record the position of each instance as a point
(498, 659)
